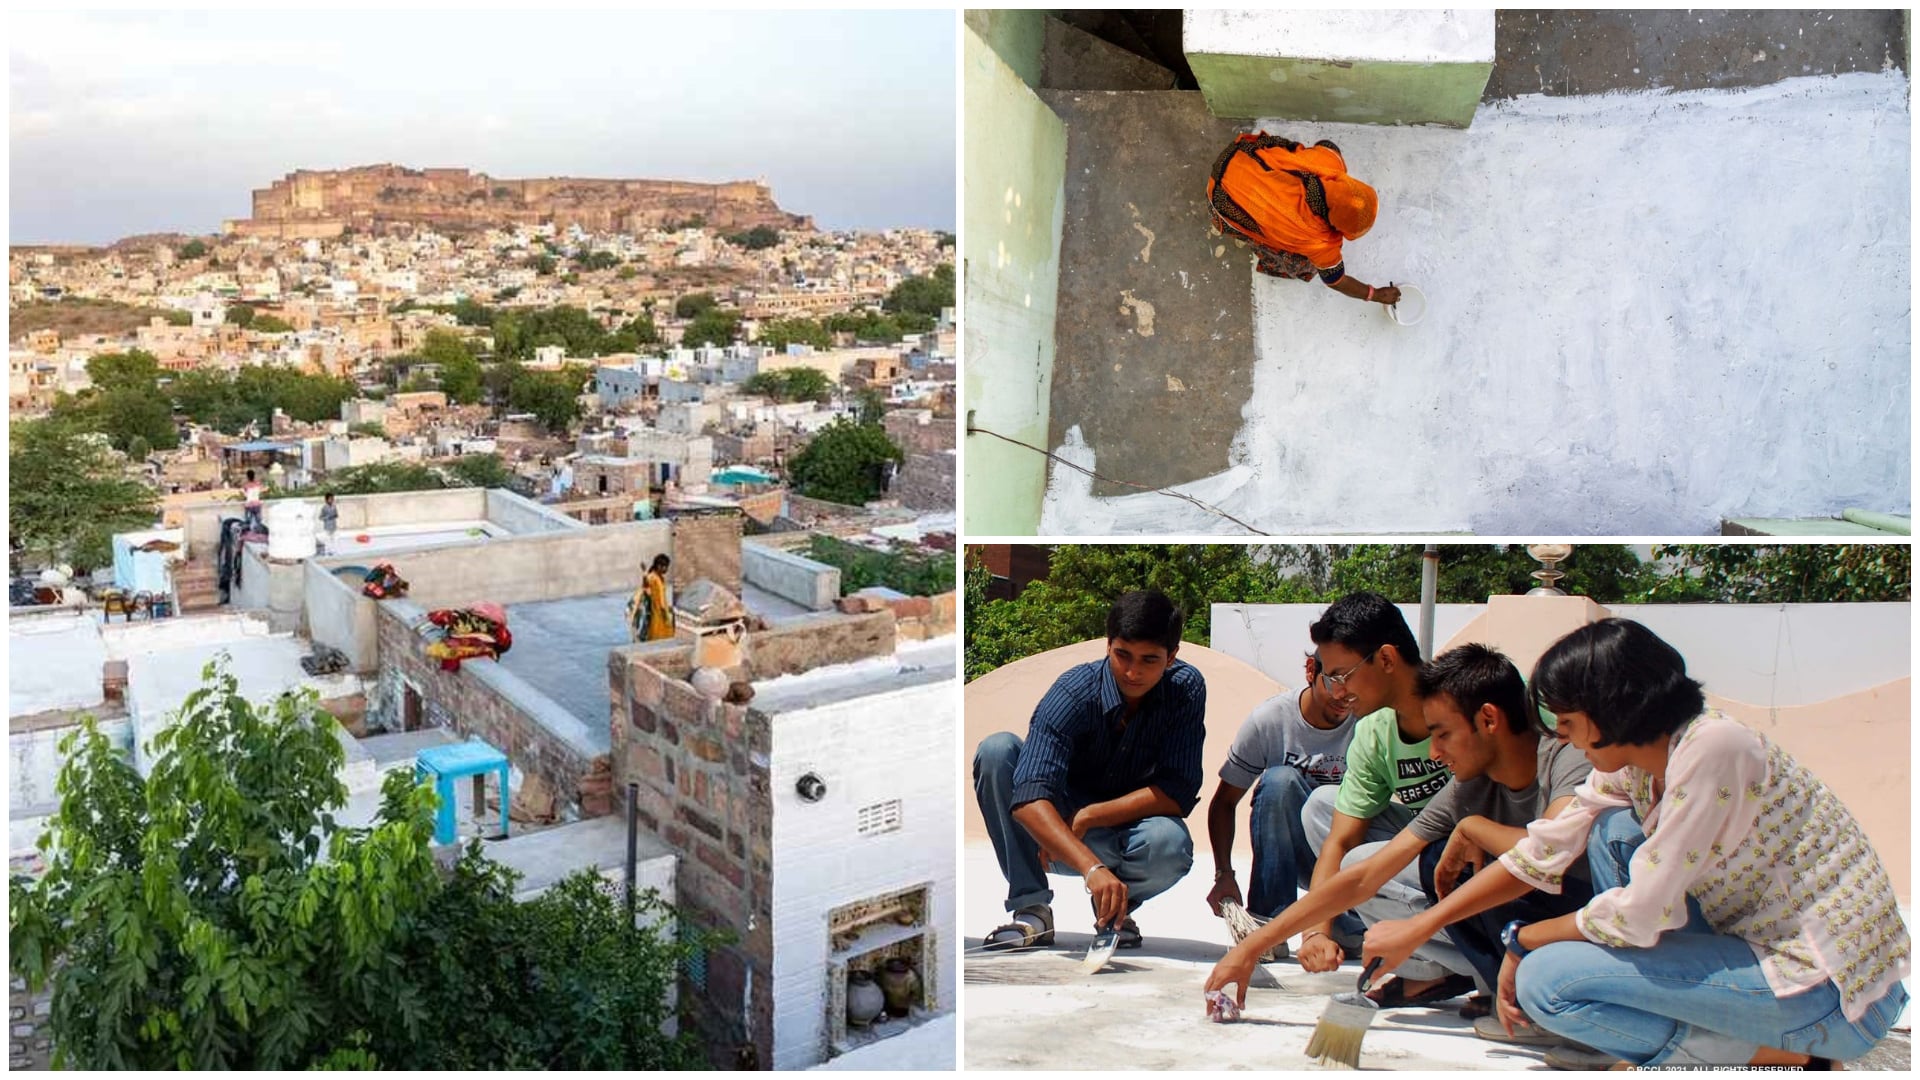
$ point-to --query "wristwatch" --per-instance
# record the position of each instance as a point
(1510, 937)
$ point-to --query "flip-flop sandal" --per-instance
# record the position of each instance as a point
(1129, 935)
(1030, 928)
(1477, 1006)
(1393, 995)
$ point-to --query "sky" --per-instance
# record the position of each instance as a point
(124, 123)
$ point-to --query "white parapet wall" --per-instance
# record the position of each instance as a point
(812, 585)
(1359, 67)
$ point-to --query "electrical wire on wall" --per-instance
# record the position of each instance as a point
(1208, 507)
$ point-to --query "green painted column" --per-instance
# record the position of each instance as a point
(1354, 67)
(1015, 166)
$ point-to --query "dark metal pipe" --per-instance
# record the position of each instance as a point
(633, 844)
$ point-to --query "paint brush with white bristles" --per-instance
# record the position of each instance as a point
(1336, 1039)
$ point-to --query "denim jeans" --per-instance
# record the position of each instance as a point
(1148, 855)
(1477, 937)
(1317, 819)
(1694, 998)
(1403, 897)
(1282, 858)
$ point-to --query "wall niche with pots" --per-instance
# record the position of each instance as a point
(880, 968)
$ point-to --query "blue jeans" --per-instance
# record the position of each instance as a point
(1282, 858)
(1695, 998)
(1148, 856)
(1317, 818)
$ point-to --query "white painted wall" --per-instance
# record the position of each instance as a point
(53, 661)
(887, 746)
(1782, 655)
(34, 761)
(1648, 312)
(1414, 37)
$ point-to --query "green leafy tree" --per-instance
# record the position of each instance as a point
(777, 334)
(379, 478)
(1784, 573)
(598, 260)
(1468, 573)
(693, 304)
(758, 238)
(481, 470)
(192, 249)
(179, 318)
(67, 495)
(871, 406)
(124, 415)
(215, 915)
(627, 273)
(845, 463)
(791, 384)
(131, 370)
(551, 396)
(923, 296)
(714, 326)
(270, 324)
(459, 370)
(542, 264)
(467, 312)
(240, 315)
(369, 429)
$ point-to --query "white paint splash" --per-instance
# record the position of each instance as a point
(1146, 253)
(1141, 310)
(1175, 385)
(1649, 312)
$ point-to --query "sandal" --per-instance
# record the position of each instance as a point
(1477, 1006)
(1129, 935)
(1030, 928)
(1393, 995)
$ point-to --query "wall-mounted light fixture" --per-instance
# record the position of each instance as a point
(811, 787)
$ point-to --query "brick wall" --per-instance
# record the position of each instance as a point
(819, 640)
(765, 506)
(29, 1032)
(707, 545)
(581, 783)
(807, 511)
(913, 437)
(926, 482)
(701, 768)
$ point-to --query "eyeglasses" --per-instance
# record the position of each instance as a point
(1338, 682)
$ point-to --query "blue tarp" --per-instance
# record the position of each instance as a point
(258, 445)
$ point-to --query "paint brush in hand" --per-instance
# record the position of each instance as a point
(1336, 1039)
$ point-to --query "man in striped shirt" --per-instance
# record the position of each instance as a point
(1101, 785)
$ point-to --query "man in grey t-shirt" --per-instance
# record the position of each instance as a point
(1290, 744)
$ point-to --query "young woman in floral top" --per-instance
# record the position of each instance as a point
(1739, 914)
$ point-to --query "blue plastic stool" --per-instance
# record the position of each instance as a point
(446, 764)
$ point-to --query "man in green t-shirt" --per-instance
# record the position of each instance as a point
(1368, 655)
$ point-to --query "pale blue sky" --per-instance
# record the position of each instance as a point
(124, 123)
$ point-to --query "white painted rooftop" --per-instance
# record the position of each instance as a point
(54, 662)
(1456, 36)
(912, 663)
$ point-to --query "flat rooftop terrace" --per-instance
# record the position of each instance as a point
(560, 646)
(912, 663)
(1144, 1010)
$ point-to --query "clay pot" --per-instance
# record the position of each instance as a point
(901, 985)
(865, 999)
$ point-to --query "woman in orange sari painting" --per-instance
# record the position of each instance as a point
(1296, 205)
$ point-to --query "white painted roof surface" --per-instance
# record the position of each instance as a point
(1452, 36)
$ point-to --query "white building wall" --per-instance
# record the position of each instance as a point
(889, 746)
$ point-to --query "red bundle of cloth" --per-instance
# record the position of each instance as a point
(480, 630)
(382, 582)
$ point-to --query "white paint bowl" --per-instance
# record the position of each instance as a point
(1411, 308)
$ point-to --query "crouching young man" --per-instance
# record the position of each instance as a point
(1101, 784)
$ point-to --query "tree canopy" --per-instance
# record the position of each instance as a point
(791, 384)
(1071, 604)
(923, 296)
(68, 495)
(777, 334)
(693, 304)
(215, 915)
(714, 326)
(846, 462)
(758, 238)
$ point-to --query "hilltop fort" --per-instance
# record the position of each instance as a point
(322, 204)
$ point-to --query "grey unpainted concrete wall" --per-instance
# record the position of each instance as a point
(522, 516)
(356, 512)
(273, 587)
(812, 585)
(339, 615)
(547, 566)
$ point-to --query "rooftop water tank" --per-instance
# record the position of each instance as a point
(289, 529)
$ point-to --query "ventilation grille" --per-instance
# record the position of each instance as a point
(881, 817)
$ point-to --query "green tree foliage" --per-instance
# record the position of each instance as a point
(468, 312)
(542, 264)
(67, 495)
(1468, 573)
(597, 260)
(517, 333)
(791, 384)
(551, 396)
(459, 370)
(214, 915)
(418, 382)
(869, 326)
(758, 238)
(693, 304)
(123, 414)
(1784, 573)
(379, 478)
(131, 370)
(903, 571)
(192, 249)
(923, 296)
(714, 326)
(240, 315)
(845, 463)
(627, 273)
(368, 428)
(946, 239)
(228, 402)
(777, 334)
(179, 318)
(480, 470)
(269, 324)
(643, 332)
(870, 406)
